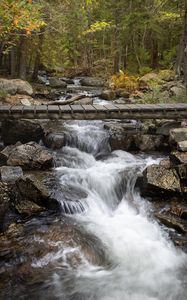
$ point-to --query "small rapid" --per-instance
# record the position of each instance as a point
(103, 242)
(143, 263)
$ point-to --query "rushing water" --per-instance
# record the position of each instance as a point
(120, 252)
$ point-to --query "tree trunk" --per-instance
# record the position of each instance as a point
(154, 54)
(38, 56)
(22, 66)
(13, 62)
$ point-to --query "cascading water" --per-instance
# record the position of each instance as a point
(143, 264)
(110, 248)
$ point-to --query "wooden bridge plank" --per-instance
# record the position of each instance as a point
(77, 108)
(89, 108)
(5, 108)
(100, 108)
(16, 109)
(122, 107)
(41, 109)
(65, 108)
(53, 109)
(111, 107)
(29, 109)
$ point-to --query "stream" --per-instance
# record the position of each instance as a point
(104, 243)
(109, 248)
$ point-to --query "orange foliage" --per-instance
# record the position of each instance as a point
(121, 80)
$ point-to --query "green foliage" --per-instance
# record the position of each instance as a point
(3, 95)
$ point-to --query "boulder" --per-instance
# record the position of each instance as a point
(10, 174)
(57, 83)
(166, 163)
(171, 222)
(149, 78)
(182, 146)
(177, 91)
(108, 95)
(91, 81)
(28, 156)
(30, 195)
(54, 141)
(157, 181)
(167, 75)
(21, 130)
(120, 135)
(178, 135)
(15, 86)
(122, 93)
(179, 157)
(148, 142)
(166, 127)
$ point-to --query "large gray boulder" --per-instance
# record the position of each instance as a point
(28, 156)
(178, 135)
(108, 95)
(57, 83)
(120, 135)
(15, 86)
(166, 127)
(158, 181)
(148, 142)
(91, 81)
(29, 195)
(54, 140)
(21, 130)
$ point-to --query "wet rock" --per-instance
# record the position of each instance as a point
(120, 135)
(67, 80)
(178, 135)
(28, 156)
(29, 188)
(108, 95)
(10, 174)
(158, 181)
(28, 208)
(91, 81)
(178, 157)
(166, 127)
(4, 204)
(54, 141)
(57, 83)
(166, 163)
(15, 86)
(21, 130)
(148, 142)
(171, 222)
(182, 146)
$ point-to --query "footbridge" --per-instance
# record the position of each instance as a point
(95, 112)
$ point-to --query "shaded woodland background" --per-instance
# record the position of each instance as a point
(96, 36)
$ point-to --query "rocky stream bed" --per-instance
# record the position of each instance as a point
(93, 210)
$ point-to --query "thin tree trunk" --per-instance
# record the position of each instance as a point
(38, 56)
(154, 54)
(22, 67)
(13, 62)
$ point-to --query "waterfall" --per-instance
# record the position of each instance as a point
(143, 263)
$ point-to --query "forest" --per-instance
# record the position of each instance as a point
(99, 37)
